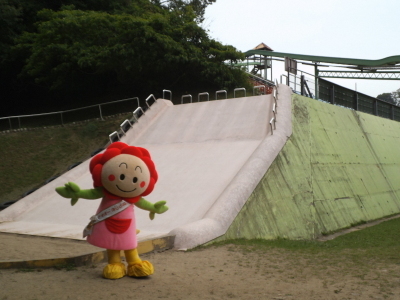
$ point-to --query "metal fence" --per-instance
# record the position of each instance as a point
(69, 116)
(303, 84)
(339, 95)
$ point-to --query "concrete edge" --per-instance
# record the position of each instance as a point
(148, 246)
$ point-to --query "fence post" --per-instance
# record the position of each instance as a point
(375, 107)
(355, 104)
(332, 96)
(302, 84)
(101, 115)
(62, 121)
(9, 120)
(19, 122)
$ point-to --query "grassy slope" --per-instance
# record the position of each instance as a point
(379, 243)
(29, 158)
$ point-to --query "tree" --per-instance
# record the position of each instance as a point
(10, 19)
(393, 97)
(388, 97)
(198, 6)
(74, 50)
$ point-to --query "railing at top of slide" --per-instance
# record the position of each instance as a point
(99, 111)
(127, 124)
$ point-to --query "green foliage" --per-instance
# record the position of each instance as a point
(388, 97)
(10, 19)
(82, 49)
(198, 6)
(55, 52)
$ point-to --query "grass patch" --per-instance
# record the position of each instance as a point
(66, 267)
(380, 242)
(29, 158)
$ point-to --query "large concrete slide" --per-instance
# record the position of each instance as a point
(209, 155)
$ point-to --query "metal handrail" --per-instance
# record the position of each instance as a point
(123, 124)
(239, 89)
(274, 111)
(270, 123)
(110, 136)
(201, 94)
(186, 96)
(135, 112)
(147, 102)
(259, 87)
(167, 91)
(220, 92)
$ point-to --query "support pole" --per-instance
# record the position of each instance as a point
(316, 72)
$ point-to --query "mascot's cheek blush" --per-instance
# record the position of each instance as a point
(142, 184)
(111, 177)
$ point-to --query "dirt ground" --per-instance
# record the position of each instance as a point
(223, 272)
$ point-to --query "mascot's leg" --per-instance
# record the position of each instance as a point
(115, 268)
(136, 266)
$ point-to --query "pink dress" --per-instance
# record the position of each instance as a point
(125, 239)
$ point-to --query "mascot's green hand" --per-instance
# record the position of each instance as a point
(70, 190)
(159, 208)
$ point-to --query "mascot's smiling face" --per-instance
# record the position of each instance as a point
(125, 175)
(124, 171)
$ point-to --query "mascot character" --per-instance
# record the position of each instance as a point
(121, 176)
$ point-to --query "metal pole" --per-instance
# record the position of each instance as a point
(288, 79)
(9, 120)
(101, 115)
(62, 121)
(356, 101)
(316, 74)
(271, 70)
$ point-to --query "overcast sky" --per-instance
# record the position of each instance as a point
(365, 29)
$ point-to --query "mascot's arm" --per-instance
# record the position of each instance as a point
(156, 208)
(73, 191)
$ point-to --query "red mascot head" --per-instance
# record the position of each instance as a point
(124, 171)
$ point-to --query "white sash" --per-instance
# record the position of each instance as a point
(104, 214)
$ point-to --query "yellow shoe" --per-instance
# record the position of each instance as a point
(140, 269)
(114, 271)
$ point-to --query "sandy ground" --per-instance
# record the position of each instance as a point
(224, 272)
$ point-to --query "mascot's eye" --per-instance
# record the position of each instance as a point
(135, 179)
(122, 177)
